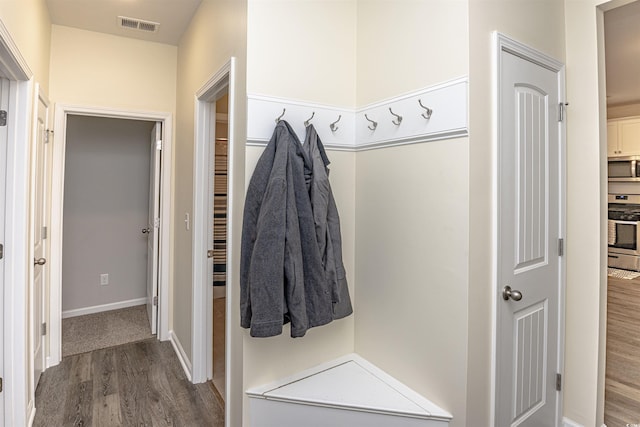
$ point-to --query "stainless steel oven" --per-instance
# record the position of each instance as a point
(624, 231)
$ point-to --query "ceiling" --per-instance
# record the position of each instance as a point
(102, 16)
(622, 32)
(622, 52)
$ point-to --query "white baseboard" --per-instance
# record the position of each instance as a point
(103, 307)
(566, 422)
(182, 356)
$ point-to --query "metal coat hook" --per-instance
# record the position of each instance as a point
(333, 126)
(306, 122)
(374, 123)
(428, 111)
(284, 110)
(399, 117)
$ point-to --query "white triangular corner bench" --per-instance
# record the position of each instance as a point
(345, 392)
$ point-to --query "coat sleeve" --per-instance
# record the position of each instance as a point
(266, 269)
(262, 247)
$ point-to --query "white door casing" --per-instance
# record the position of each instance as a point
(57, 204)
(4, 105)
(39, 205)
(529, 225)
(221, 82)
(153, 226)
(16, 396)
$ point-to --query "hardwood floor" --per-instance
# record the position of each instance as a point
(137, 384)
(622, 384)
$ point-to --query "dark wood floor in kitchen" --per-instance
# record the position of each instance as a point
(137, 384)
(622, 385)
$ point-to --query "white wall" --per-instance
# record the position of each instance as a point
(106, 205)
(539, 24)
(217, 32)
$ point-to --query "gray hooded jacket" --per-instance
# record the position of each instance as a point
(287, 273)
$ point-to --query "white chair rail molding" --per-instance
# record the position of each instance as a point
(433, 113)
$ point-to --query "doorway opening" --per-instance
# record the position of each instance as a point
(105, 218)
(110, 238)
(621, 380)
(213, 240)
(219, 241)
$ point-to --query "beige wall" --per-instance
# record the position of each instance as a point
(30, 27)
(96, 69)
(411, 257)
(310, 57)
(404, 45)
(216, 33)
(303, 50)
(412, 213)
(540, 24)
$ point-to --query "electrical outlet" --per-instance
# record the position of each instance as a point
(104, 279)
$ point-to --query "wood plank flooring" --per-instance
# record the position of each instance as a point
(137, 384)
(622, 383)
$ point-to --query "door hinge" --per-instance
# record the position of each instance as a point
(0, 384)
(156, 222)
(560, 247)
(155, 300)
(3, 117)
(558, 382)
(43, 329)
(1, 250)
(44, 231)
(159, 145)
(562, 107)
(48, 135)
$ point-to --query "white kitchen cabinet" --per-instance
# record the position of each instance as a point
(623, 137)
(612, 138)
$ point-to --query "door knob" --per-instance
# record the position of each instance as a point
(507, 293)
(39, 261)
(145, 230)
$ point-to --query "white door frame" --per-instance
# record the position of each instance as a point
(57, 211)
(504, 43)
(15, 370)
(38, 96)
(202, 324)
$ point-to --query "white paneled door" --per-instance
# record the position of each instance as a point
(40, 174)
(153, 226)
(529, 227)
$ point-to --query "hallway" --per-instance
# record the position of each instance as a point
(134, 384)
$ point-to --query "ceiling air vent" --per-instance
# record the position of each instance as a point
(138, 24)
